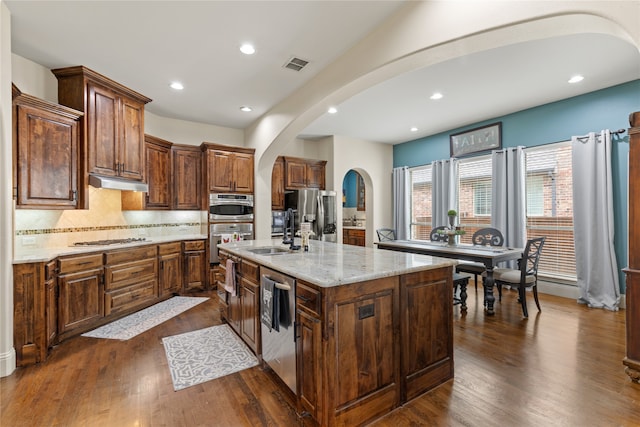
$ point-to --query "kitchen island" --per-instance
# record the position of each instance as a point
(373, 327)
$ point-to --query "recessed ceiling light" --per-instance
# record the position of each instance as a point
(332, 110)
(414, 129)
(247, 49)
(575, 79)
(436, 95)
(176, 85)
(246, 108)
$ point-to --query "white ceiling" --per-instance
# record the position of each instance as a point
(147, 44)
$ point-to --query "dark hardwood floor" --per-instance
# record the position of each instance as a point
(561, 367)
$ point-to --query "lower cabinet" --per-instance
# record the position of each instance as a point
(309, 349)
(51, 302)
(354, 237)
(195, 265)
(81, 298)
(131, 278)
(170, 268)
(242, 311)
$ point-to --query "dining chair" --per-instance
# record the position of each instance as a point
(485, 237)
(459, 280)
(386, 234)
(524, 277)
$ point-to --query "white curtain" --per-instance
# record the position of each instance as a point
(509, 197)
(401, 202)
(596, 263)
(444, 193)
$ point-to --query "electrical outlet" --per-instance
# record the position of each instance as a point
(28, 240)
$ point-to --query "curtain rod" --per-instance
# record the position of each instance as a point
(613, 132)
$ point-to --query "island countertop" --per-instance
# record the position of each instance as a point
(333, 264)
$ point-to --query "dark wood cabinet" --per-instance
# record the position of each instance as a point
(187, 177)
(250, 305)
(354, 237)
(131, 279)
(169, 268)
(29, 322)
(51, 303)
(277, 185)
(309, 349)
(304, 173)
(113, 121)
(81, 298)
(46, 162)
(195, 266)
(632, 294)
(158, 172)
(228, 169)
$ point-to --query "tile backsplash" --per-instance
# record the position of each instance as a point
(103, 220)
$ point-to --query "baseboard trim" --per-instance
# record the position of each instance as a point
(568, 291)
(7, 363)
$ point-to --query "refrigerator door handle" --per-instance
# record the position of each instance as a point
(320, 218)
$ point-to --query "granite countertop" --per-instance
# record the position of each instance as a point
(47, 254)
(333, 264)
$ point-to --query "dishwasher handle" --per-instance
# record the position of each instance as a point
(279, 285)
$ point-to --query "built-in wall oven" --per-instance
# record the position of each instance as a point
(228, 207)
(225, 232)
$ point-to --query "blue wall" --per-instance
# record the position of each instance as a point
(604, 109)
(349, 184)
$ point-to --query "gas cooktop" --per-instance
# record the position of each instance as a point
(110, 242)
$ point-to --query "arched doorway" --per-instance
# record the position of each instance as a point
(354, 209)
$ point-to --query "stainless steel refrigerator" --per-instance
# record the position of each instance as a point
(317, 207)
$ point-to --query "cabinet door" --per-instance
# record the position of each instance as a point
(81, 300)
(130, 154)
(250, 294)
(309, 341)
(187, 178)
(277, 185)
(46, 167)
(102, 132)
(170, 274)
(220, 171)
(51, 310)
(315, 175)
(243, 173)
(158, 165)
(296, 174)
(195, 271)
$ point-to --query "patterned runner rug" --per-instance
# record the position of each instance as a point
(136, 323)
(206, 354)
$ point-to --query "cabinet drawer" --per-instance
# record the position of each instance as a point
(121, 275)
(131, 254)
(130, 297)
(197, 245)
(308, 298)
(49, 270)
(79, 263)
(250, 271)
(169, 248)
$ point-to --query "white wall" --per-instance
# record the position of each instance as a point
(190, 133)
(7, 352)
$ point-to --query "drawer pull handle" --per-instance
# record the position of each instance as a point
(303, 298)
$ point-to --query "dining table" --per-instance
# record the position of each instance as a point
(490, 256)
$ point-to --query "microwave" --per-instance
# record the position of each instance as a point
(230, 207)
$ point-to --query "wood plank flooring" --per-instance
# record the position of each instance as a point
(561, 367)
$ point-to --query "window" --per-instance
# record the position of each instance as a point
(474, 195)
(550, 208)
(420, 202)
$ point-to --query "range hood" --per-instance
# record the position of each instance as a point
(112, 183)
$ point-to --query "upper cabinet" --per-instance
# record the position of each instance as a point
(174, 176)
(46, 161)
(113, 121)
(187, 177)
(303, 173)
(277, 185)
(228, 169)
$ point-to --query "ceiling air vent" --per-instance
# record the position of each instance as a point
(296, 64)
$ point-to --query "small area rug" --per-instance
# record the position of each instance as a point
(206, 354)
(143, 320)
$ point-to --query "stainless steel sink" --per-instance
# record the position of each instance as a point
(269, 250)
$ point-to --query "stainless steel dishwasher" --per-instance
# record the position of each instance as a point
(278, 344)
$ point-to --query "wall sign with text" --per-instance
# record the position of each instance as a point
(483, 138)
